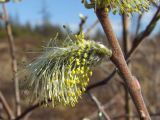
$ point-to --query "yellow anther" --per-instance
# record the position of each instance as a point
(85, 55)
(81, 71)
(73, 72)
(90, 73)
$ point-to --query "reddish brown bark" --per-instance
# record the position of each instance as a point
(119, 60)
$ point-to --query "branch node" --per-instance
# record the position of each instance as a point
(135, 84)
(143, 114)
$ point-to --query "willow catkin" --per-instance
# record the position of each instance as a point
(61, 74)
(123, 6)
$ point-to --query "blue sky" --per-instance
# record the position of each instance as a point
(63, 12)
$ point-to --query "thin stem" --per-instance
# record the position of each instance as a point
(138, 24)
(103, 82)
(30, 109)
(126, 45)
(91, 27)
(119, 60)
(81, 24)
(99, 106)
(13, 58)
(125, 23)
(105, 106)
(6, 107)
(145, 33)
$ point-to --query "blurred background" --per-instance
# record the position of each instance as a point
(34, 22)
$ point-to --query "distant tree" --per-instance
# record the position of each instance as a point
(45, 14)
(15, 20)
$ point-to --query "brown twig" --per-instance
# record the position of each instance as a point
(30, 109)
(126, 45)
(102, 82)
(13, 57)
(105, 106)
(6, 107)
(27, 111)
(145, 33)
(138, 23)
(99, 106)
(125, 33)
(91, 27)
(106, 80)
(81, 24)
(119, 60)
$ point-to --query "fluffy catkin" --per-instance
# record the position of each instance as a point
(61, 74)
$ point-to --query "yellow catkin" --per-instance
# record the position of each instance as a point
(62, 73)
